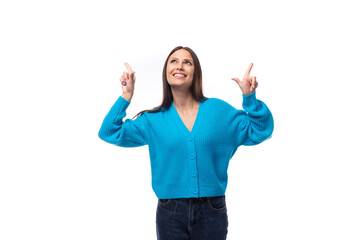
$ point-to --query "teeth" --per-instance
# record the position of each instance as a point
(179, 75)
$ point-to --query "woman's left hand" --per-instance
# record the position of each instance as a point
(248, 83)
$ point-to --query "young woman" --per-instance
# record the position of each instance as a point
(191, 140)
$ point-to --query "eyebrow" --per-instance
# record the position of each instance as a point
(178, 59)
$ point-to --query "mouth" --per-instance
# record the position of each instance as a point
(179, 75)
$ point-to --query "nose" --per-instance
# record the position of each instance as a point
(179, 66)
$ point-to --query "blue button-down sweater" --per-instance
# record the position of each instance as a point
(190, 164)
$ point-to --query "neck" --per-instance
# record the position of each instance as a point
(183, 101)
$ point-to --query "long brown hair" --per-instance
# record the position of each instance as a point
(196, 87)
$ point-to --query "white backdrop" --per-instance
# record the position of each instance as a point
(60, 64)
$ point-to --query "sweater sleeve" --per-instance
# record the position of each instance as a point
(128, 133)
(255, 124)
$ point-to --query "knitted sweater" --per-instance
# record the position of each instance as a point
(190, 164)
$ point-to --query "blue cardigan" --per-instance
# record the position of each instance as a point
(190, 164)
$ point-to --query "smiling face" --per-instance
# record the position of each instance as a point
(180, 69)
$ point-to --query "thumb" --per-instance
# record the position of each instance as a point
(238, 81)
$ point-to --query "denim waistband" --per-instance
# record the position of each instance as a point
(192, 199)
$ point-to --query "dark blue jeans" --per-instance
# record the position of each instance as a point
(192, 218)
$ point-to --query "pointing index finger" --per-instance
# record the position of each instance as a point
(247, 74)
(128, 67)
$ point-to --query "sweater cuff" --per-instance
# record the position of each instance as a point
(122, 104)
(249, 100)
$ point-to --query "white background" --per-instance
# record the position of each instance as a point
(60, 64)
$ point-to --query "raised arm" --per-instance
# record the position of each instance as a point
(255, 123)
(128, 133)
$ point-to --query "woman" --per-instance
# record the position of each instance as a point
(191, 140)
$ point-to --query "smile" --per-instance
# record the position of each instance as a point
(179, 75)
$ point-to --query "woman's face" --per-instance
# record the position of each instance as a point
(180, 69)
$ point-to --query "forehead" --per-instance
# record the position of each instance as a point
(181, 53)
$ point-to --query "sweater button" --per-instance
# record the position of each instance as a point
(195, 190)
(192, 156)
(193, 174)
(190, 139)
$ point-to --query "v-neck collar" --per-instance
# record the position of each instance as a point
(181, 125)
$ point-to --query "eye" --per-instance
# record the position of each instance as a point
(188, 62)
(172, 61)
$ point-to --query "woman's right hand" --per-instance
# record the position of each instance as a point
(128, 82)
